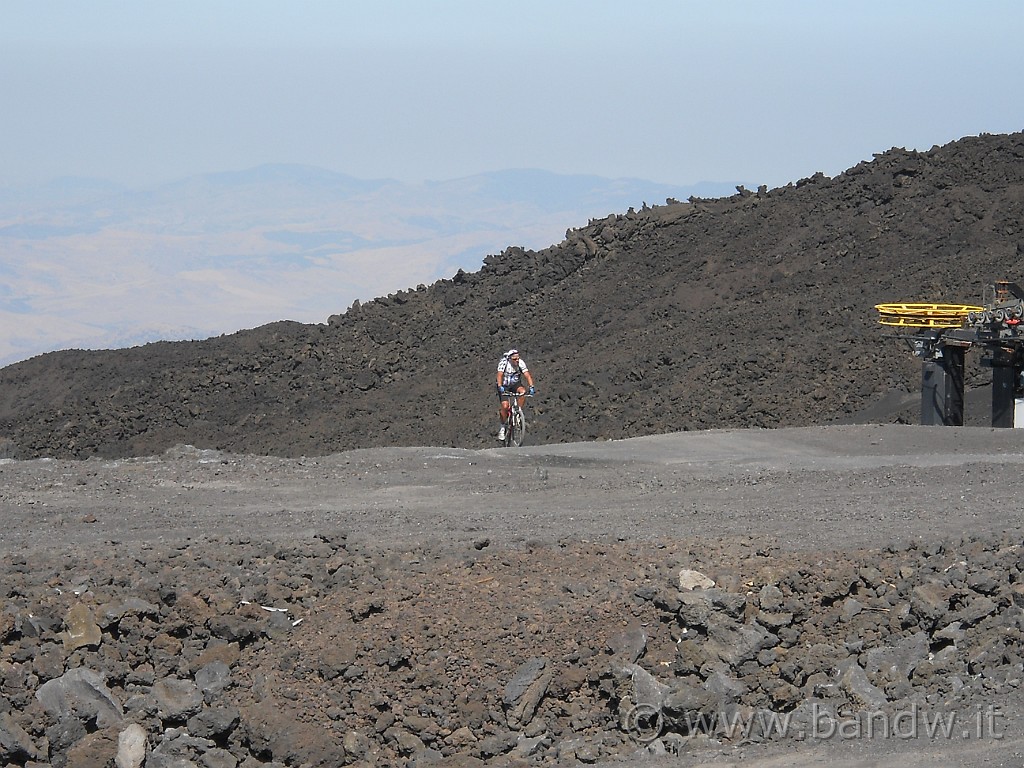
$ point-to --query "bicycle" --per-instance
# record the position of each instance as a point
(515, 424)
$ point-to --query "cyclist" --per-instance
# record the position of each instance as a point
(511, 371)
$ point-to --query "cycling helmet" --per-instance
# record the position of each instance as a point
(511, 352)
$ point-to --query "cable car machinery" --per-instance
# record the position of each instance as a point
(941, 334)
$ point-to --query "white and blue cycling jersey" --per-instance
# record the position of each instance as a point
(511, 374)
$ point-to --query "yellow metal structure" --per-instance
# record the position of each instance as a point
(925, 315)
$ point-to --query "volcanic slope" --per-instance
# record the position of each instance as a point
(754, 310)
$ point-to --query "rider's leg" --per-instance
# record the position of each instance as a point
(503, 409)
(522, 396)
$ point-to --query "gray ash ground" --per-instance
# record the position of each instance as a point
(434, 606)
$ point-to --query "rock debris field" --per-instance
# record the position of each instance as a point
(849, 595)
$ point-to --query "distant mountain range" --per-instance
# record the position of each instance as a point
(86, 263)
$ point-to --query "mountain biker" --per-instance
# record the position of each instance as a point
(512, 370)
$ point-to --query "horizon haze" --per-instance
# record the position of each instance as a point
(91, 264)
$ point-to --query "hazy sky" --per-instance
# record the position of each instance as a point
(758, 91)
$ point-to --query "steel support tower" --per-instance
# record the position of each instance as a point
(941, 334)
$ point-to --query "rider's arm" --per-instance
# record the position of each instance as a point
(529, 378)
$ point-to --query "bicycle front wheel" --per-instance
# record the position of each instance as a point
(518, 427)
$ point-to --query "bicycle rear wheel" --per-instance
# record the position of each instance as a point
(518, 430)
